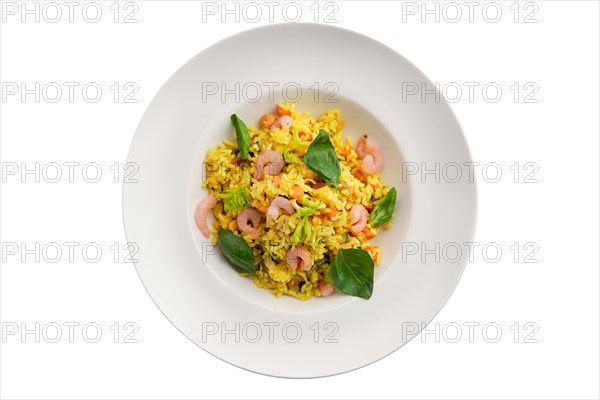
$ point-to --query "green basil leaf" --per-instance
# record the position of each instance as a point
(241, 133)
(236, 251)
(384, 209)
(321, 158)
(352, 272)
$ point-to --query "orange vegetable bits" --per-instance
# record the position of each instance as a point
(305, 136)
(369, 234)
(263, 209)
(331, 214)
(358, 175)
(346, 150)
(282, 111)
(276, 180)
(233, 226)
(296, 192)
(374, 252)
(342, 246)
(267, 120)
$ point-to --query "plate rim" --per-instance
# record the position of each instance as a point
(475, 199)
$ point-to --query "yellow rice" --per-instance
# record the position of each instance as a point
(225, 170)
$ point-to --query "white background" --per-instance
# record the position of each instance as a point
(559, 295)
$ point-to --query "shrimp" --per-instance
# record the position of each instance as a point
(202, 210)
(270, 162)
(370, 154)
(285, 122)
(372, 163)
(365, 146)
(299, 258)
(280, 203)
(358, 218)
(325, 288)
(251, 215)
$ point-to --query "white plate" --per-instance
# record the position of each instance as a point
(227, 315)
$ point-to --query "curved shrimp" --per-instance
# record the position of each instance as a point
(299, 258)
(358, 218)
(270, 162)
(201, 212)
(325, 288)
(251, 215)
(360, 147)
(285, 122)
(370, 154)
(280, 203)
(372, 163)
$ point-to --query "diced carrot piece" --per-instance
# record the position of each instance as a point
(233, 226)
(332, 213)
(369, 235)
(267, 120)
(261, 208)
(306, 136)
(297, 191)
(281, 111)
(345, 151)
(318, 185)
(276, 179)
(358, 175)
(373, 251)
